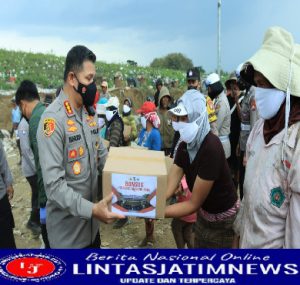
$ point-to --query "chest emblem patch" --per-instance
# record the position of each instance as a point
(277, 197)
(76, 168)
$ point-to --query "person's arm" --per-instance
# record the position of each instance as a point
(25, 147)
(5, 173)
(221, 116)
(102, 155)
(115, 133)
(200, 192)
(174, 178)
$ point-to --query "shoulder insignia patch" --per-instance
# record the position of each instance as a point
(76, 168)
(68, 108)
(70, 122)
(73, 153)
(93, 124)
(81, 150)
(97, 145)
(49, 126)
(89, 118)
(72, 129)
(277, 197)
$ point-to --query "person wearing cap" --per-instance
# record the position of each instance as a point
(200, 157)
(149, 138)
(247, 112)
(129, 121)
(193, 82)
(158, 85)
(215, 91)
(104, 90)
(234, 94)
(115, 125)
(166, 130)
(101, 110)
(269, 216)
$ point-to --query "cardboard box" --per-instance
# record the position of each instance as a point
(138, 180)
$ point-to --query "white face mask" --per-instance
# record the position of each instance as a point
(126, 109)
(268, 101)
(189, 131)
(178, 125)
(101, 122)
(144, 122)
(110, 114)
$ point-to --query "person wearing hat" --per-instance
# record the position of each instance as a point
(200, 157)
(158, 85)
(269, 216)
(115, 125)
(248, 115)
(216, 92)
(150, 138)
(129, 121)
(165, 129)
(104, 90)
(234, 94)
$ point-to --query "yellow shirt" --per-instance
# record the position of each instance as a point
(212, 117)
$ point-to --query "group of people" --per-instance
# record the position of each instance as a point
(243, 136)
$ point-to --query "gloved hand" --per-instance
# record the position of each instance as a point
(43, 216)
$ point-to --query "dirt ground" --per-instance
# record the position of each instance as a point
(127, 237)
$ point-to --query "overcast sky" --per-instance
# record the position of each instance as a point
(117, 30)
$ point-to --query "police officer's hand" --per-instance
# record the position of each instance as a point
(10, 192)
(101, 212)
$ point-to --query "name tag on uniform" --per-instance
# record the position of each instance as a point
(74, 138)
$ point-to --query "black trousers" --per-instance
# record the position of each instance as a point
(32, 180)
(7, 224)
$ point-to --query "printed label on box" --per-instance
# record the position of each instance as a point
(134, 195)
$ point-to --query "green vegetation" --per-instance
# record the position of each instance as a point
(176, 61)
(46, 70)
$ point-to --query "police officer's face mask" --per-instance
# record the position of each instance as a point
(87, 92)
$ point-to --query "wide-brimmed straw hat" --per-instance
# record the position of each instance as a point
(277, 57)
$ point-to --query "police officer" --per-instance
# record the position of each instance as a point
(71, 154)
(216, 92)
(248, 115)
(193, 82)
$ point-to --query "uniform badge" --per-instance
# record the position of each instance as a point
(72, 129)
(68, 108)
(70, 123)
(49, 126)
(81, 151)
(76, 168)
(73, 153)
(277, 197)
(93, 124)
(89, 118)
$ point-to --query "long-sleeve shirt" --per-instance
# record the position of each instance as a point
(33, 127)
(28, 164)
(5, 177)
